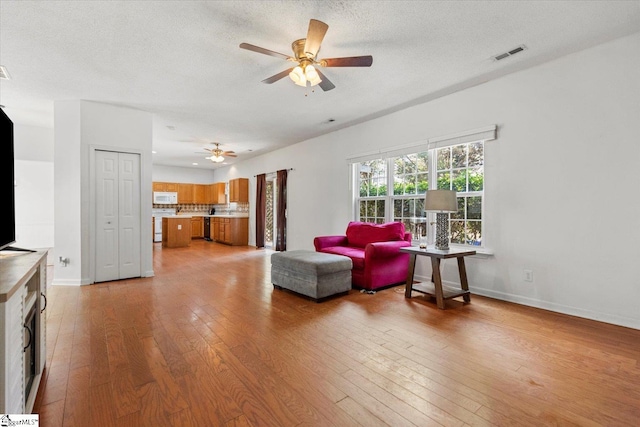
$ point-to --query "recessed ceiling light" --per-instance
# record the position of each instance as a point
(194, 164)
(154, 152)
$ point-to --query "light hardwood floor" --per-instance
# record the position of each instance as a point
(209, 342)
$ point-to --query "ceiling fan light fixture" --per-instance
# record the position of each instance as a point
(217, 159)
(312, 75)
(298, 77)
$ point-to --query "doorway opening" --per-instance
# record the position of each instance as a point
(270, 218)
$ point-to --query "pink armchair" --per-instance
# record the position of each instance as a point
(374, 252)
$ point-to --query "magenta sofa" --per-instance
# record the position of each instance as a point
(374, 252)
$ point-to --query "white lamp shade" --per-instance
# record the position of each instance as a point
(440, 201)
(310, 72)
(315, 80)
(297, 75)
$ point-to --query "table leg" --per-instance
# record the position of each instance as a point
(438, 259)
(409, 285)
(463, 279)
(437, 281)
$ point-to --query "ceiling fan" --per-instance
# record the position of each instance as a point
(305, 57)
(217, 154)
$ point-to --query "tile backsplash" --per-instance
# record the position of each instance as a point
(227, 208)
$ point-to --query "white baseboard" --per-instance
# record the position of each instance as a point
(547, 305)
(67, 282)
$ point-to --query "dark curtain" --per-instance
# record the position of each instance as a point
(281, 232)
(261, 209)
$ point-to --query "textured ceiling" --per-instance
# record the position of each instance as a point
(180, 60)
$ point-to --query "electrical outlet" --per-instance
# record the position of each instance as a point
(179, 226)
(528, 275)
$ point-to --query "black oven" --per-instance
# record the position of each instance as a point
(30, 346)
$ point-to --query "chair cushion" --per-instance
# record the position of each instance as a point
(356, 254)
(360, 234)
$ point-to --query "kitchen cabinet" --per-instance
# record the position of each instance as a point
(22, 324)
(165, 186)
(216, 194)
(197, 227)
(199, 194)
(239, 190)
(214, 232)
(185, 193)
(230, 230)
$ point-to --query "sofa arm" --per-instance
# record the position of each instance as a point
(384, 249)
(322, 242)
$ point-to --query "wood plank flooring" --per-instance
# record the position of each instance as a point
(209, 342)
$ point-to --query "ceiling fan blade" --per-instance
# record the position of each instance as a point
(352, 61)
(325, 84)
(315, 34)
(277, 77)
(229, 154)
(259, 49)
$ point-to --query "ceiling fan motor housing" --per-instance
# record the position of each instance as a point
(298, 50)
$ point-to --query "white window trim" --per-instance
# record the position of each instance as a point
(487, 133)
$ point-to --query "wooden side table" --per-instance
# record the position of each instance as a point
(436, 289)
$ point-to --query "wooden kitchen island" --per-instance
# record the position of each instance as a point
(176, 231)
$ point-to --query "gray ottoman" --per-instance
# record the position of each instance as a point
(314, 274)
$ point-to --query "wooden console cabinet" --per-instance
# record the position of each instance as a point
(23, 288)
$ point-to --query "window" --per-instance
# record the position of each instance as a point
(373, 189)
(411, 181)
(461, 168)
(454, 163)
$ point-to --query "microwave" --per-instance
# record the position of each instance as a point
(165, 198)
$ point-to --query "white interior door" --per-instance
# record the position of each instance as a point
(117, 215)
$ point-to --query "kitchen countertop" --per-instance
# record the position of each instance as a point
(188, 215)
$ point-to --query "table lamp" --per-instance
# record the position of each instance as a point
(442, 202)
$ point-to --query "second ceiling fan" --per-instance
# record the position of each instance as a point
(217, 154)
(305, 56)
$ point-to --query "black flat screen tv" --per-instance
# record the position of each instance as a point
(7, 182)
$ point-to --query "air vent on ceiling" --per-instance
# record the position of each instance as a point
(4, 74)
(509, 53)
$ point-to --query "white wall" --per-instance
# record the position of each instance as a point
(561, 180)
(33, 152)
(163, 173)
(33, 143)
(80, 128)
(34, 204)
